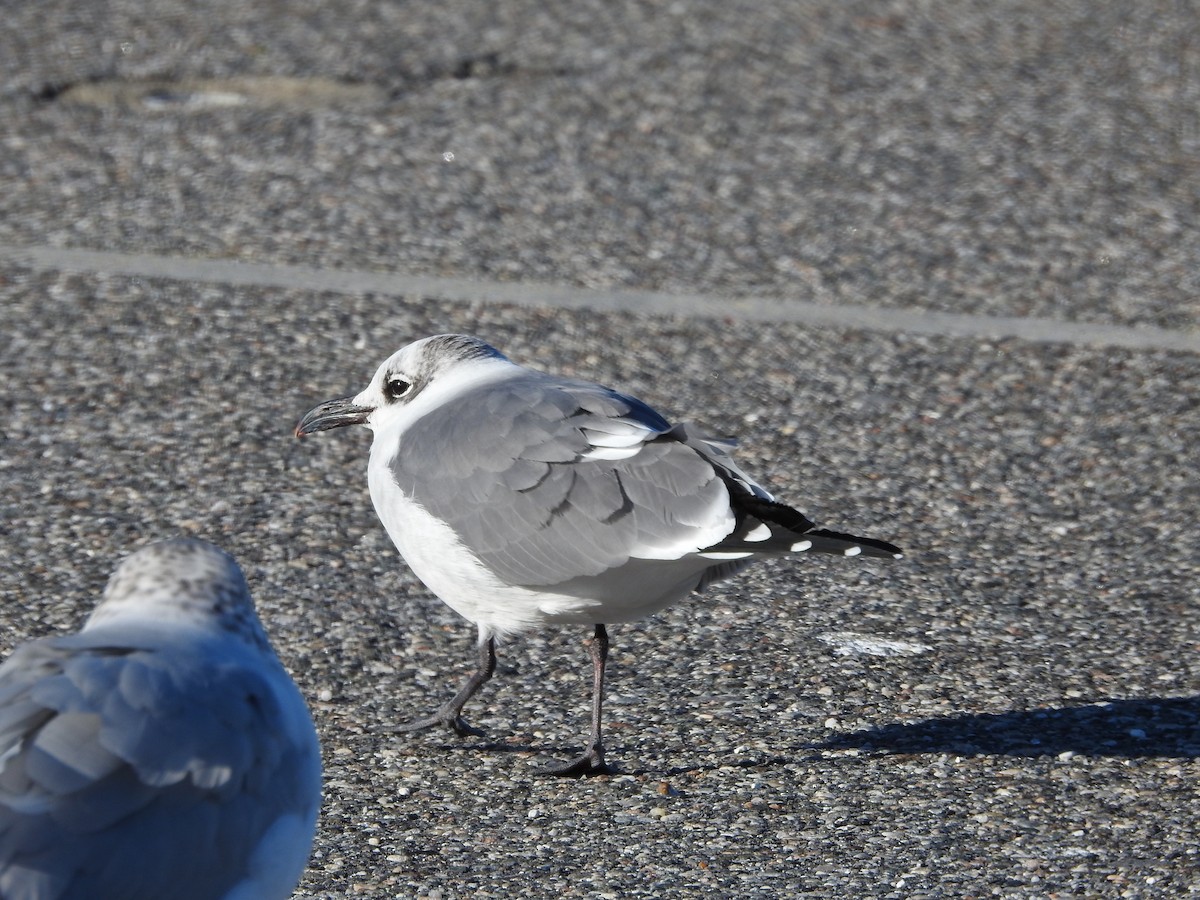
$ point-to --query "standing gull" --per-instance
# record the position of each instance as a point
(162, 751)
(522, 500)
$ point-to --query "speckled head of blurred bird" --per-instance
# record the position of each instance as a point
(180, 581)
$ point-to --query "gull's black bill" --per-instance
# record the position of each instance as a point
(332, 414)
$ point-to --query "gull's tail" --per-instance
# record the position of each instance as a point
(767, 527)
(825, 541)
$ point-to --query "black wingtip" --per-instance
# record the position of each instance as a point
(825, 541)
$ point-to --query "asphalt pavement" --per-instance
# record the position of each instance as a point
(935, 265)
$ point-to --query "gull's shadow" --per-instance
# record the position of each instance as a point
(1166, 727)
(1157, 726)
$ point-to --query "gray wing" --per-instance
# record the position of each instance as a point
(128, 772)
(547, 480)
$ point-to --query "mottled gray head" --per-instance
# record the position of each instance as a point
(403, 378)
(183, 580)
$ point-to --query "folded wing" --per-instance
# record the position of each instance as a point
(546, 480)
(126, 771)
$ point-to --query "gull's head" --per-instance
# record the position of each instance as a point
(180, 581)
(404, 378)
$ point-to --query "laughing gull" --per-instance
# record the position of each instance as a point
(522, 499)
(162, 751)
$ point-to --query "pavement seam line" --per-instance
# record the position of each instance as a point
(750, 309)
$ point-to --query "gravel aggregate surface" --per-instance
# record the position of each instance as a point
(996, 157)
(1032, 728)
(1012, 710)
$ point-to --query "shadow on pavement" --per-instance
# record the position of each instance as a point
(1155, 726)
(1167, 727)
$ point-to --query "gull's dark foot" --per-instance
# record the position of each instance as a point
(444, 719)
(449, 715)
(591, 763)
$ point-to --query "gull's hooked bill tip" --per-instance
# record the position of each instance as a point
(332, 414)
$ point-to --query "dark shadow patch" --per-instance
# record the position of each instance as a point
(50, 92)
(1154, 727)
(484, 65)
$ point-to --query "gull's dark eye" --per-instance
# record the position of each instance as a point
(396, 387)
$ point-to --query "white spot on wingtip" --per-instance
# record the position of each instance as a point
(852, 551)
(801, 545)
(719, 555)
(760, 533)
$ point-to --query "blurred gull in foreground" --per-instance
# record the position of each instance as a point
(161, 752)
(523, 500)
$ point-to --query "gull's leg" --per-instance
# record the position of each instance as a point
(450, 714)
(592, 760)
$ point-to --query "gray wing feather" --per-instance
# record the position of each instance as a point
(599, 500)
(116, 761)
(522, 473)
(66, 755)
